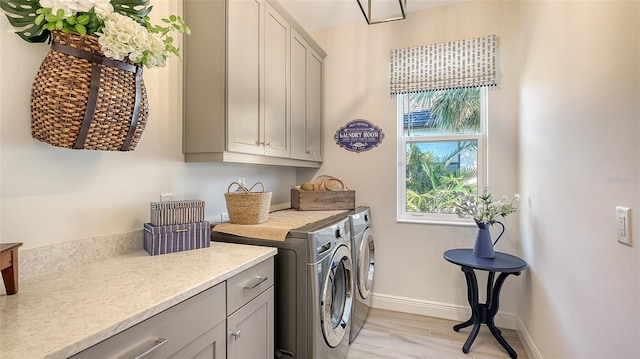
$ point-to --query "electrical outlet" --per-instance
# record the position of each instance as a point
(623, 231)
(224, 217)
(164, 197)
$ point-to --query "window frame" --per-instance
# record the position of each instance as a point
(482, 152)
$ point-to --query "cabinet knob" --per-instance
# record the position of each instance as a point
(236, 335)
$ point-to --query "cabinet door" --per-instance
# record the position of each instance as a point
(211, 345)
(276, 70)
(169, 331)
(314, 106)
(306, 100)
(298, 96)
(204, 77)
(245, 54)
(250, 329)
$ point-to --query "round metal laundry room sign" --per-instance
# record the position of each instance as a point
(359, 136)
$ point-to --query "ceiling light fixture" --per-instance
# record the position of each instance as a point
(370, 21)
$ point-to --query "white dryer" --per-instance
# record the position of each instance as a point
(363, 253)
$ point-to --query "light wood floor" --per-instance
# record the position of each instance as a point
(388, 334)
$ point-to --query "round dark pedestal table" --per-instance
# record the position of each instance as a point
(484, 313)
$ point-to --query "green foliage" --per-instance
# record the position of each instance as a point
(482, 208)
(83, 24)
(431, 184)
(176, 23)
(454, 110)
(132, 8)
(21, 15)
(25, 17)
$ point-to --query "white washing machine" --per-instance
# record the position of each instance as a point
(314, 281)
(363, 253)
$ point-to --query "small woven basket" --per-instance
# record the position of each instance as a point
(246, 207)
(82, 100)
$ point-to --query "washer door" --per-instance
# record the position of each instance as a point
(366, 261)
(337, 297)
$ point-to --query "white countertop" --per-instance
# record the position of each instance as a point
(60, 314)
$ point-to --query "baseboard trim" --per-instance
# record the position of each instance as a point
(435, 309)
(529, 346)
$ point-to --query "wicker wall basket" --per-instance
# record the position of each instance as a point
(83, 100)
(247, 207)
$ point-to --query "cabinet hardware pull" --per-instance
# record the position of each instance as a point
(259, 280)
(157, 344)
(284, 354)
(236, 335)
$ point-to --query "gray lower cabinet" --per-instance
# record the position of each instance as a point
(251, 329)
(211, 345)
(233, 319)
(250, 321)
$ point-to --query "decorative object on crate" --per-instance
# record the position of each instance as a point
(324, 193)
(89, 93)
(324, 183)
(247, 207)
(485, 212)
(176, 237)
(328, 183)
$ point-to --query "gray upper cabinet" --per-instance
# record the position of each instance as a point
(276, 73)
(306, 100)
(239, 91)
(244, 86)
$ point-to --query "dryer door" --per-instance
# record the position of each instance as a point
(337, 297)
(366, 261)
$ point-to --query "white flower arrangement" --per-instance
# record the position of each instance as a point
(123, 27)
(122, 37)
(483, 208)
(72, 7)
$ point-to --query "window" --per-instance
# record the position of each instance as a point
(441, 150)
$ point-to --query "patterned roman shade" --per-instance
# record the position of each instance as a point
(457, 64)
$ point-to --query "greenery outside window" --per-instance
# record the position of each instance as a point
(441, 149)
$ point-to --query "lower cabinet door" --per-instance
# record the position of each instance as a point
(250, 329)
(167, 332)
(211, 345)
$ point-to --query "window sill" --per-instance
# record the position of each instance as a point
(437, 222)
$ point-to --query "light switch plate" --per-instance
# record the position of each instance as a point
(623, 230)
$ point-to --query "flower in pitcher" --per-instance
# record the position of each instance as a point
(483, 208)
